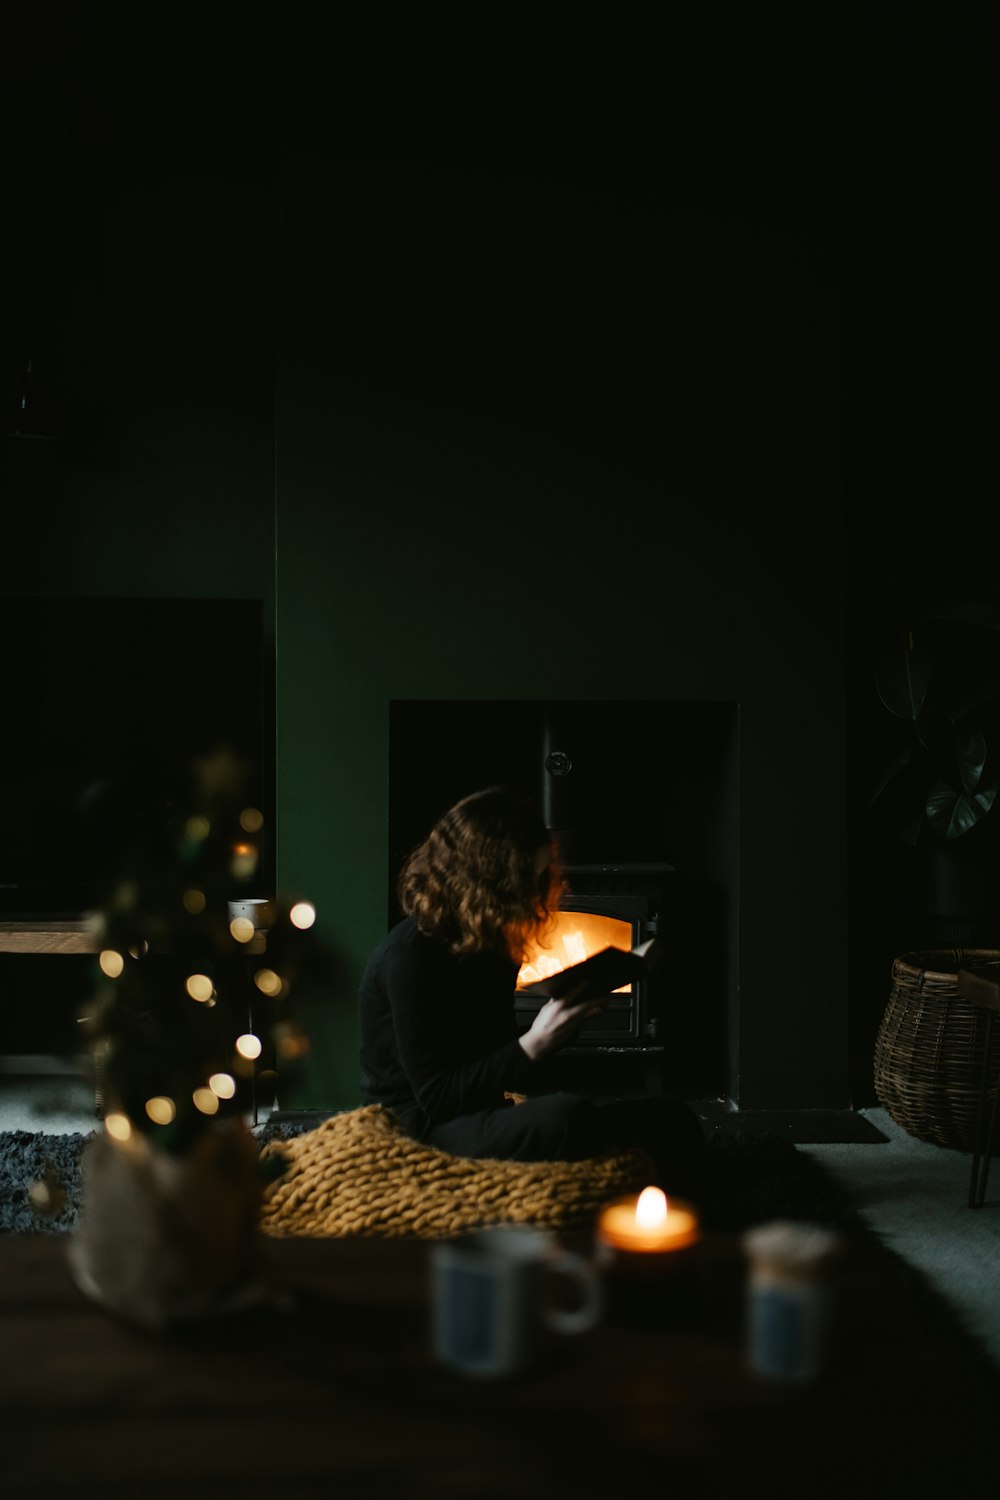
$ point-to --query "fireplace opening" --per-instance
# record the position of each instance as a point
(604, 906)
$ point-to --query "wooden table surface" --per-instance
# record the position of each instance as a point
(337, 1395)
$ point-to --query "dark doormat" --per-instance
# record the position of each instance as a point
(804, 1127)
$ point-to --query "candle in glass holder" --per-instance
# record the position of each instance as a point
(645, 1245)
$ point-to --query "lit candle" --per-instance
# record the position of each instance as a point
(646, 1245)
(650, 1224)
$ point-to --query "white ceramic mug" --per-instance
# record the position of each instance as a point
(258, 909)
(489, 1297)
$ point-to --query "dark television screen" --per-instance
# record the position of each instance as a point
(108, 701)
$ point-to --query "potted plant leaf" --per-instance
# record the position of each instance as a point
(941, 685)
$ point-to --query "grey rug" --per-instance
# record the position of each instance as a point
(41, 1180)
(915, 1195)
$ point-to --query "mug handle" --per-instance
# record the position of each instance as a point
(591, 1288)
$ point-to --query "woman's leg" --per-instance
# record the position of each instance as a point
(543, 1127)
(570, 1127)
(667, 1129)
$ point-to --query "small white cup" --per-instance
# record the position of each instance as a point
(259, 910)
(489, 1298)
(788, 1298)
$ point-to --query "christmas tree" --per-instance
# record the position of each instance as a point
(193, 1006)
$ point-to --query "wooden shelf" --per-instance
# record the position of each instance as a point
(46, 937)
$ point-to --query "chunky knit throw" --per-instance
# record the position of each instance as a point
(359, 1173)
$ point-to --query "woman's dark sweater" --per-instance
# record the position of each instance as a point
(438, 1036)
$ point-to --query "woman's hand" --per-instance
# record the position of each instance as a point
(556, 1023)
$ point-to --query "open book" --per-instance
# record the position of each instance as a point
(595, 977)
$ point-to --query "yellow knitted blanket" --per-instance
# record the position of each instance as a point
(359, 1173)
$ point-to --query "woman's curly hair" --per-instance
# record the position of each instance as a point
(472, 883)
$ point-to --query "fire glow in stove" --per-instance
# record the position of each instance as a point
(618, 906)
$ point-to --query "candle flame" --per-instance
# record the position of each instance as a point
(651, 1208)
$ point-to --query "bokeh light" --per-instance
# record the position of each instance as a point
(126, 895)
(118, 1125)
(111, 962)
(206, 1101)
(199, 987)
(47, 1196)
(197, 828)
(302, 914)
(243, 862)
(251, 820)
(222, 1084)
(267, 981)
(160, 1109)
(248, 1045)
(290, 1042)
(242, 929)
(194, 901)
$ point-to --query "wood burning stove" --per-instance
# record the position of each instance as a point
(607, 905)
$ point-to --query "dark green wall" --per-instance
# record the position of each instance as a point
(538, 439)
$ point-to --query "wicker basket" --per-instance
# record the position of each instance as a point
(929, 1047)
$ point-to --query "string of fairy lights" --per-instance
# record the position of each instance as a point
(196, 972)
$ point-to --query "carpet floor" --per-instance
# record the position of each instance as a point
(914, 1195)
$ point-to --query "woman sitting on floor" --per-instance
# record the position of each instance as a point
(439, 1042)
